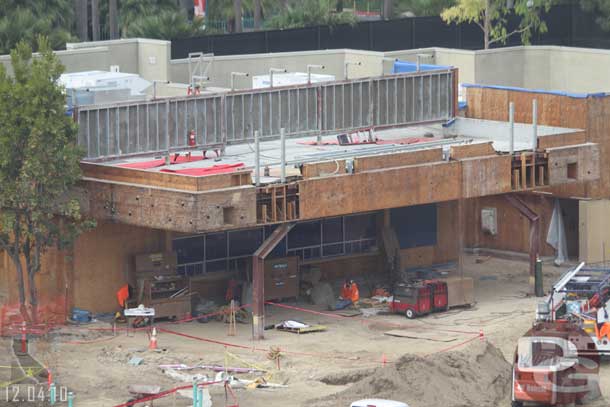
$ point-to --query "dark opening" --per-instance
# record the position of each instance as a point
(572, 171)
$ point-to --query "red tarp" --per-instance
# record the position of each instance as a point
(198, 172)
(145, 165)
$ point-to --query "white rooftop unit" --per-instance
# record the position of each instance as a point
(97, 87)
(288, 79)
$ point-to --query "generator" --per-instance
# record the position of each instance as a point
(411, 299)
(419, 298)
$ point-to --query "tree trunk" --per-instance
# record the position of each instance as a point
(388, 6)
(113, 20)
(188, 6)
(257, 14)
(237, 12)
(95, 20)
(21, 288)
(82, 19)
(487, 23)
(33, 296)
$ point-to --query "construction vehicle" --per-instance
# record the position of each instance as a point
(579, 295)
(555, 363)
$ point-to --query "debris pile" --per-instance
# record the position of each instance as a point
(478, 375)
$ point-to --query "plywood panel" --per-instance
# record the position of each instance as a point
(553, 110)
(486, 175)
(165, 180)
(172, 210)
(103, 258)
(373, 162)
(379, 189)
(398, 159)
(573, 164)
(472, 150)
(513, 228)
(565, 139)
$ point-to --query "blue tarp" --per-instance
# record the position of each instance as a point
(405, 66)
(548, 92)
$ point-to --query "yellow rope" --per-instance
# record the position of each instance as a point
(29, 374)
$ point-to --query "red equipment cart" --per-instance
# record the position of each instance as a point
(412, 299)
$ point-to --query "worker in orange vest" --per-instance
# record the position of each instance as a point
(349, 295)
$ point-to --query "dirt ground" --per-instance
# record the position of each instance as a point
(98, 373)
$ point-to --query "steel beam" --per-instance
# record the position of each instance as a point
(258, 278)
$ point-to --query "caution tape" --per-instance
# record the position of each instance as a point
(255, 349)
(367, 321)
(163, 394)
(28, 375)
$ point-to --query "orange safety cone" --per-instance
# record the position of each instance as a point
(481, 336)
(384, 360)
(152, 345)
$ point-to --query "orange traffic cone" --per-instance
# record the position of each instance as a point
(481, 336)
(152, 345)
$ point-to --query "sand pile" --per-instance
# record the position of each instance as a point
(478, 375)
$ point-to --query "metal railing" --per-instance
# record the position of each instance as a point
(162, 125)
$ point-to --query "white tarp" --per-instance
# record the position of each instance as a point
(556, 236)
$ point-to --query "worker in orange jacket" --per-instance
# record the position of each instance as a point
(349, 295)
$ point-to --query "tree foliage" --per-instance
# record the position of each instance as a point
(601, 9)
(423, 7)
(166, 25)
(310, 13)
(491, 16)
(25, 20)
(39, 165)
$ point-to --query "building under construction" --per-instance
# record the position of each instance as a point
(230, 183)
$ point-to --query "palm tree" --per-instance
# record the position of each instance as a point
(258, 10)
(113, 19)
(238, 17)
(26, 19)
(95, 20)
(166, 25)
(309, 13)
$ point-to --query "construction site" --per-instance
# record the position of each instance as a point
(321, 227)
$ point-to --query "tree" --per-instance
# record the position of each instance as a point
(237, 7)
(491, 16)
(601, 9)
(26, 19)
(133, 10)
(39, 166)
(167, 25)
(309, 13)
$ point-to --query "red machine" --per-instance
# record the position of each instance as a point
(412, 299)
(439, 295)
(421, 298)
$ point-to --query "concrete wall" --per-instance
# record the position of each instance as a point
(259, 64)
(594, 230)
(540, 67)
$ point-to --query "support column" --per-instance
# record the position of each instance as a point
(258, 278)
(534, 236)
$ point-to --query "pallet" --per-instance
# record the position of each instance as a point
(310, 329)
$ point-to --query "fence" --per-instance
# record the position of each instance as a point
(162, 125)
(567, 25)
